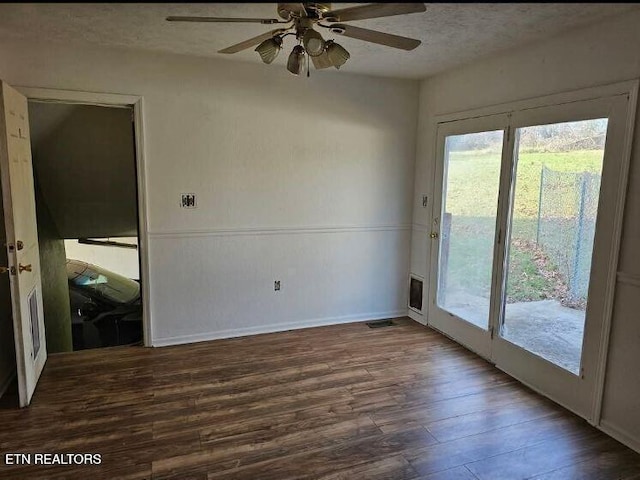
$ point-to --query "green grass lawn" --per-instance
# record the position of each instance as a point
(470, 262)
(471, 198)
(483, 169)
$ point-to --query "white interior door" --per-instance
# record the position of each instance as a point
(464, 225)
(22, 241)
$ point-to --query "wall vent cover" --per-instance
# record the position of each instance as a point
(415, 293)
(380, 323)
(35, 322)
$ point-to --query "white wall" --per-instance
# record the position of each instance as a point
(604, 53)
(84, 164)
(304, 180)
(117, 259)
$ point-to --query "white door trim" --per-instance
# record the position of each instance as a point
(118, 100)
(608, 90)
(618, 219)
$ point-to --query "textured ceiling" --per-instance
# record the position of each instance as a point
(451, 33)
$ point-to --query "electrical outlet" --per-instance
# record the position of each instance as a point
(425, 200)
(276, 285)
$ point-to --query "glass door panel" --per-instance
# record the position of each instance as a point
(467, 224)
(555, 194)
(467, 180)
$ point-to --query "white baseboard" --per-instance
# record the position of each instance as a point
(4, 384)
(620, 435)
(277, 327)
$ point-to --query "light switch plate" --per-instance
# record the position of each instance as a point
(188, 200)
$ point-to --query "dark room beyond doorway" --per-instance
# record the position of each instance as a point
(86, 201)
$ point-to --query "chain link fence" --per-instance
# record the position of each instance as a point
(567, 211)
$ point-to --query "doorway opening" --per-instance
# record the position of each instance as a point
(85, 179)
(7, 346)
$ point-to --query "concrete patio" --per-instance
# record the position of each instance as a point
(543, 327)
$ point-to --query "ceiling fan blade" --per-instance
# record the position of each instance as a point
(321, 61)
(265, 21)
(374, 10)
(238, 47)
(373, 36)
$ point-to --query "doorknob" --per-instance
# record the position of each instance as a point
(4, 270)
(434, 235)
(24, 268)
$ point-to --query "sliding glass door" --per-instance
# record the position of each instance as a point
(556, 190)
(564, 177)
(523, 233)
(464, 225)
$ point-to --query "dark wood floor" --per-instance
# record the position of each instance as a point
(339, 402)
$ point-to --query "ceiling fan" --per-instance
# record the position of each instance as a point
(298, 19)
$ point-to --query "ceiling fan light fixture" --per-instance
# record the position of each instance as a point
(313, 42)
(337, 54)
(301, 20)
(296, 61)
(269, 49)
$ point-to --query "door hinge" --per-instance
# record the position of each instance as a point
(491, 332)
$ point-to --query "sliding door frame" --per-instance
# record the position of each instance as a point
(629, 89)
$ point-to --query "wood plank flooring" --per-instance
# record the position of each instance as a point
(338, 402)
